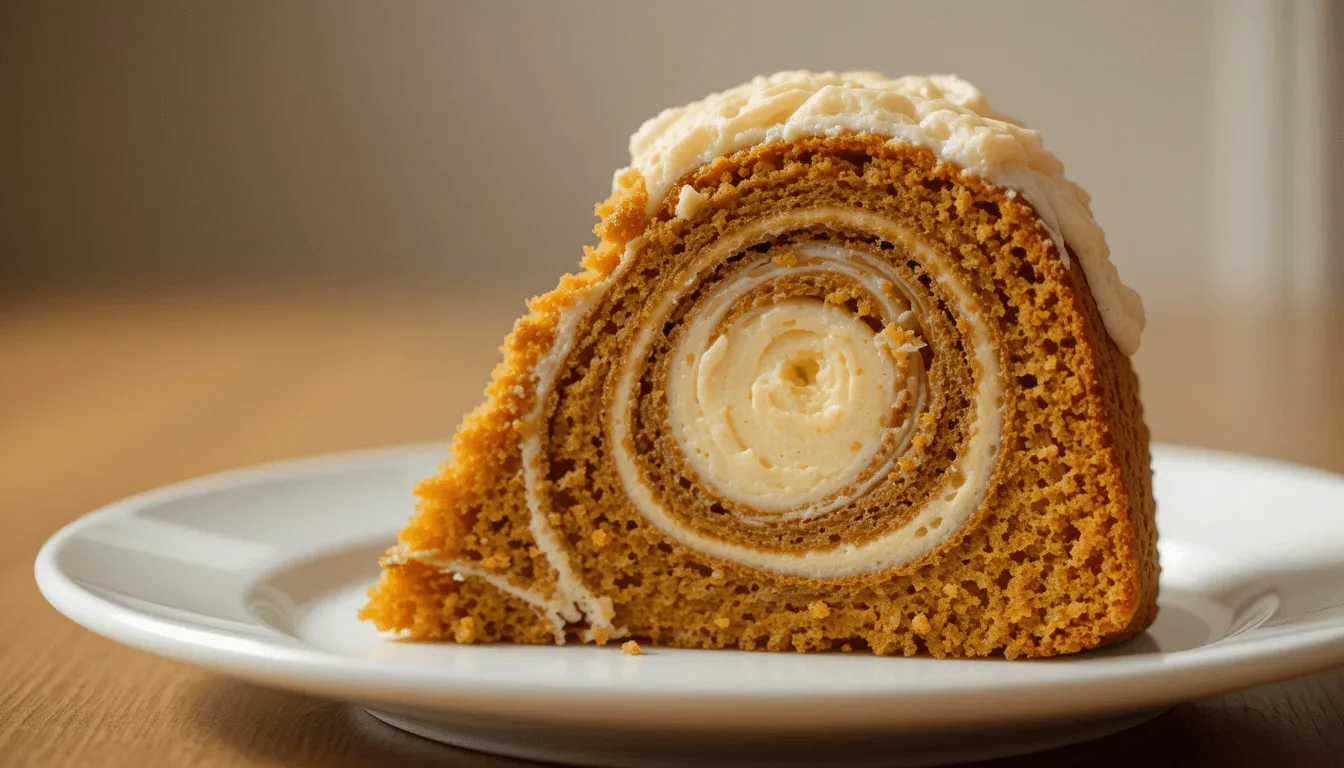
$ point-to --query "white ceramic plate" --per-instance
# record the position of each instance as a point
(258, 573)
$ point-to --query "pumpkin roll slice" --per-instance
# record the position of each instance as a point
(847, 370)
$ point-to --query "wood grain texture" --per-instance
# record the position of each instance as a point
(106, 394)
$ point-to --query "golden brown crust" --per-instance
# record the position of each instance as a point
(1059, 557)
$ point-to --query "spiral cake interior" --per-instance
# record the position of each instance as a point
(786, 406)
(832, 393)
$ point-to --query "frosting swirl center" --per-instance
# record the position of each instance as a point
(787, 406)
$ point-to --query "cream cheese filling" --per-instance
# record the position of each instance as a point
(794, 400)
(931, 525)
(786, 407)
(887, 369)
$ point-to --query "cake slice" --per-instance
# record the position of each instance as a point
(848, 369)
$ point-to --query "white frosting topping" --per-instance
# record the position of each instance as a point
(943, 113)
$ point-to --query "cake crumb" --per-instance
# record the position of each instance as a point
(950, 590)
(631, 648)
(601, 539)
(787, 259)
(601, 635)
(554, 519)
(920, 624)
(819, 609)
(496, 562)
(465, 631)
(839, 296)
(900, 338)
(722, 622)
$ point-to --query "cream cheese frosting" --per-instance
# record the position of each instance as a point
(941, 112)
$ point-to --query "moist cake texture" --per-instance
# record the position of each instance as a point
(823, 389)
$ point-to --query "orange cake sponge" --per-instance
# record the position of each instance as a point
(848, 369)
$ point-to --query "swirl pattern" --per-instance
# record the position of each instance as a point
(829, 407)
(832, 393)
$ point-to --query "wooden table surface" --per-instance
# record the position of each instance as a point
(106, 394)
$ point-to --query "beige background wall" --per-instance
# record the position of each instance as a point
(469, 140)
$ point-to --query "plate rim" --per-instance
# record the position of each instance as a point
(279, 660)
